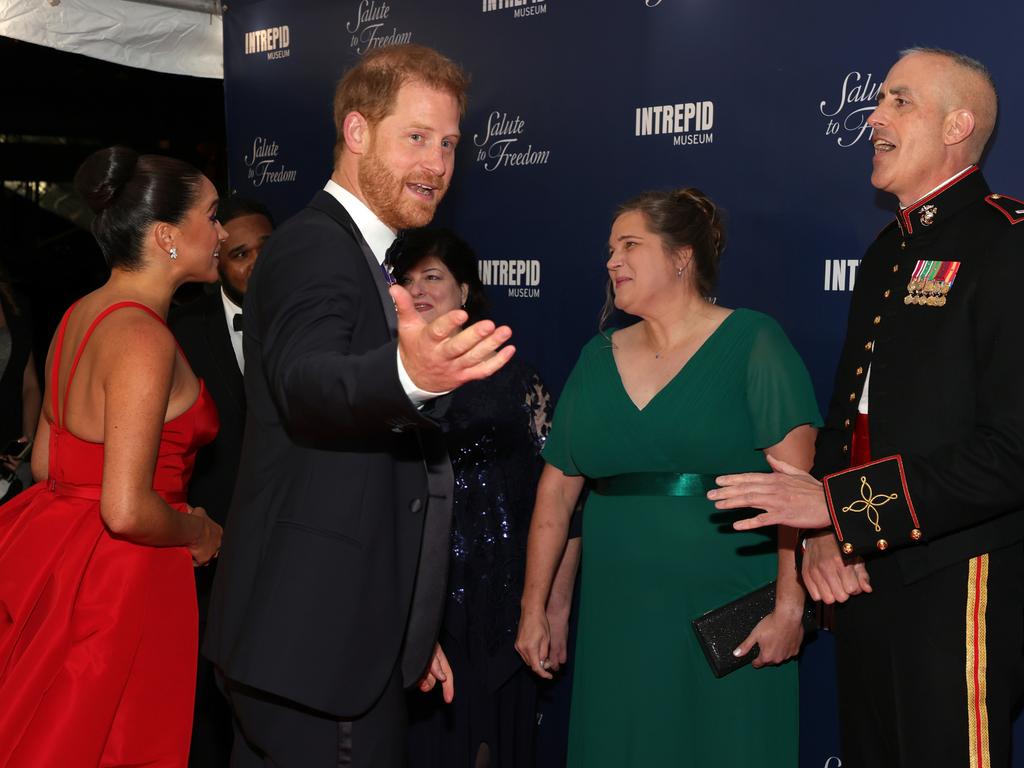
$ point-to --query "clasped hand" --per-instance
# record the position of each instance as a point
(438, 356)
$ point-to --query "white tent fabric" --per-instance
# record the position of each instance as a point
(180, 42)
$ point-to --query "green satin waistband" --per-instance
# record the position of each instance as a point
(655, 484)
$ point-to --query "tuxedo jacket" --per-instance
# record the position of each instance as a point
(202, 331)
(334, 558)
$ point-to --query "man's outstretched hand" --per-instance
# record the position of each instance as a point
(439, 359)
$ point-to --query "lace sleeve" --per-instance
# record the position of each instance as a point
(540, 407)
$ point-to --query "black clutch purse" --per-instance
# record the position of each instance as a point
(719, 631)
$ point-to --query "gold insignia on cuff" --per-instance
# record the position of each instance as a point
(853, 491)
(869, 502)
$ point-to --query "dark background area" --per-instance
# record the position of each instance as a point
(58, 108)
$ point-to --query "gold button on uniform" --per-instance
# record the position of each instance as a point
(915, 534)
(846, 449)
(847, 548)
(887, 293)
(895, 267)
(903, 247)
(853, 396)
(860, 371)
(846, 424)
(868, 346)
(882, 545)
(877, 320)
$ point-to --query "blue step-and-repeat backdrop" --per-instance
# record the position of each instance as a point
(576, 106)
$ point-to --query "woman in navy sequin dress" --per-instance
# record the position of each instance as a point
(495, 430)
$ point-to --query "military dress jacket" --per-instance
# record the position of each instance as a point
(937, 314)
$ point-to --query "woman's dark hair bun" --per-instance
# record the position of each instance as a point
(131, 192)
(104, 174)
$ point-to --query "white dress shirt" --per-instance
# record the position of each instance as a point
(230, 310)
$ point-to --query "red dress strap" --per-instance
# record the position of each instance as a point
(85, 339)
(55, 369)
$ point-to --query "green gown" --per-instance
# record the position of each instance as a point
(643, 693)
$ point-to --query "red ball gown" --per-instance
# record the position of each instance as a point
(97, 635)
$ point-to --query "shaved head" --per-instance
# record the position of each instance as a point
(964, 84)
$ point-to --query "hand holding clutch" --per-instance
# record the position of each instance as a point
(722, 630)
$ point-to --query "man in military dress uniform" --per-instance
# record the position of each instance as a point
(922, 453)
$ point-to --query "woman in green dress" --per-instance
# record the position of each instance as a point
(651, 413)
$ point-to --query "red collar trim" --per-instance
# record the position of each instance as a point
(903, 217)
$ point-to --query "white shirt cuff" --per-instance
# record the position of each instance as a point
(416, 395)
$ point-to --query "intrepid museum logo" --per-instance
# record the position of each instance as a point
(371, 28)
(273, 41)
(498, 146)
(687, 123)
(520, 276)
(848, 113)
(264, 165)
(521, 9)
(841, 274)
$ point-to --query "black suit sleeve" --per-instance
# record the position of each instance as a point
(313, 289)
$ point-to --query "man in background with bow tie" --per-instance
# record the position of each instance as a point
(331, 580)
(210, 333)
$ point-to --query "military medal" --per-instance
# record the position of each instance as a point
(930, 283)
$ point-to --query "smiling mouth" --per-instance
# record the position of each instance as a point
(421, 307)
(426, 191)
(881, 145)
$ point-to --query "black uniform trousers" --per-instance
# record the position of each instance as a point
(951, 641)
(273, 732)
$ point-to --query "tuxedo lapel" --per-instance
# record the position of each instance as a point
(325, 202)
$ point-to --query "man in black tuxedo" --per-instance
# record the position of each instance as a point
(210, 332)
(329, 591)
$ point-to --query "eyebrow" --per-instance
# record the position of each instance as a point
(212, 206)
(896, 90)
(429, 129)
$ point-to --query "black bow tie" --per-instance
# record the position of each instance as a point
(394, 252)
(236, 322)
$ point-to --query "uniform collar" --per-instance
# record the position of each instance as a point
(942, 202)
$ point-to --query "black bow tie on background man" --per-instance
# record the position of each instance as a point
(236, 322)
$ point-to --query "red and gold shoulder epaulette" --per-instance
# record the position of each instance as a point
(1010, 207)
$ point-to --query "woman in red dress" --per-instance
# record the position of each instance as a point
(98, 619)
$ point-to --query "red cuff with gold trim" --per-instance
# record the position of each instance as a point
(871, 507)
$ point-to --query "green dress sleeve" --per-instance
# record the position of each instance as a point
(779, 391)
(558, 448)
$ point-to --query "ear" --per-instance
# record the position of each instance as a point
(958, 126)
(163, 235)
(682, 257)
(356, 131)
(464, 290)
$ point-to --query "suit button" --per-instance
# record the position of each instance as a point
(415, 506)
(887, 293)
(846, 424)
(860, 371)
(868, 346)
(877, 320)
(853, 396)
